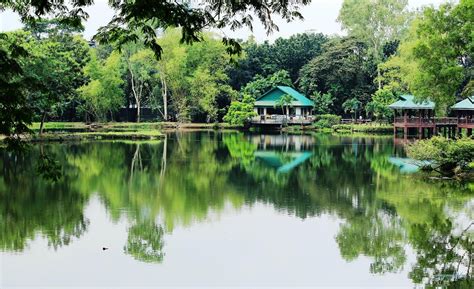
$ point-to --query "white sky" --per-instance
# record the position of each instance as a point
(320, 16)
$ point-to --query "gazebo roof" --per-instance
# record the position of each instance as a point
(466, 104)
(407, 101)
(271, 97)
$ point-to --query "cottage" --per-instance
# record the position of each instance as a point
(270, 110)
(465, 114)
(420, 117)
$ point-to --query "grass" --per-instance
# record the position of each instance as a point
(64, 131)
(110, 135)
(381, 128)
(58, 125)
(117, 126)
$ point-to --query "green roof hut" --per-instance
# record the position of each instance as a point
(410, 113)
(465, 113)
(269, 110)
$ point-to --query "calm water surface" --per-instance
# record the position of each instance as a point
(231, 209)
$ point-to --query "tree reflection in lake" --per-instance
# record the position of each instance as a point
(182, 179)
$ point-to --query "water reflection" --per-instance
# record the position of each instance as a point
(178, 181)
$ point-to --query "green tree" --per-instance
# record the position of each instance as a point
(264, 59)
(146, 17)
(376, 22)
(378, 106)
(344, 69)
(241, 111)
(141, 20)
(285, 102)
(54, 67)
(104, 92)
(15, 111)
(259, 85)
(141, 68)
(322, 102)
(440, 48)
(352, 105)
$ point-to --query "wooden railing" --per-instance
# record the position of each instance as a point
(282, 119)
(419, 121)
(466, 121)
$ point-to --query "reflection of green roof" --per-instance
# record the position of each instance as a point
(467, 104)
(275, 159)
(406, 165)
(407, 101)
(271, 97)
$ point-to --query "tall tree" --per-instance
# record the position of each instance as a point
(288, 54)
(15, 111)
(141, 66)
(260, 84)
(345, 70)
(104, 92)
(54, 65)
(442, 48)
(376, 22)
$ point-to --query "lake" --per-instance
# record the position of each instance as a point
(231, 209)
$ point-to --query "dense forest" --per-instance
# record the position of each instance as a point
(387, 50)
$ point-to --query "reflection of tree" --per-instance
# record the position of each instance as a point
(145, 242)
(31, 205)
(183, 178)
(444, 259)
(380, 237)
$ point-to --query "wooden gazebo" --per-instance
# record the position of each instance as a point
(465, 114)
(410, 114)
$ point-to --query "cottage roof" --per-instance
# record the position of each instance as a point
(271, 97)
(407, 101)
(466, 104)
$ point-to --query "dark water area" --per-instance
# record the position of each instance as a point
(232, 209)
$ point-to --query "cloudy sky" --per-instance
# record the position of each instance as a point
(320, 16)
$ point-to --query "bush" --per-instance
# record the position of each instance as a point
(326, 120)
(240, 111)
(447, 157)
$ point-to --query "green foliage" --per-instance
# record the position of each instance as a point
(145, 242)
(103, 93)
(344, 69)
(322, 102)
(352, 105)
(240, 112)
(194, 77)
(377, 128)
(259, 85)
(447, 156)
(326, 120)
(289, 54)
(134, 20)
(15, 111)
(434, 60)
(285, 102)
(378, 106)
(376, 22)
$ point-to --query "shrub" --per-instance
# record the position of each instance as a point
(240, 111)
(326, 120)
(447, 157)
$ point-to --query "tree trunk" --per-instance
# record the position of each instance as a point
(138, 111)
(42, 123)
(136, 94)
(379, 76)
(164, 93)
